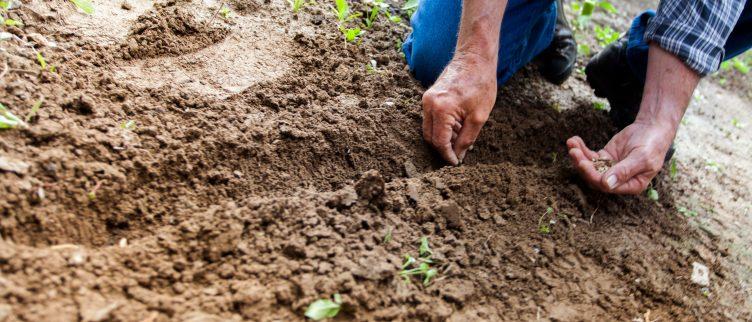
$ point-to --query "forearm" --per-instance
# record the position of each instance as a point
(668, 89)
(480, 26)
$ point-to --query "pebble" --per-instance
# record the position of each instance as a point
(700, 274)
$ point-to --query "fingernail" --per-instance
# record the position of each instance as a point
(462, 156)
(611, 181)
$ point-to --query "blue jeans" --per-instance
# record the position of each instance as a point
(738, 42)
(527, 29)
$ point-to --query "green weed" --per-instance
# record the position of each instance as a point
(737, 124)
(34, 109)
(687, 212)
(351, 34)
(296, 5)
(652, 194)
(673, 170)
(324, 308)
(85, 5)
(9, 120)
(605, 35)
(424, 261)
(388, 236)
(225, 12)
(342, 10)
(410, 6)
(599, 106)
(545, 227)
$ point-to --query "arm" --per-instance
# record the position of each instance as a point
(641, 146)
(459, 103)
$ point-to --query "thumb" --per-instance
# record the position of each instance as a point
(623, 172)
(469, 132)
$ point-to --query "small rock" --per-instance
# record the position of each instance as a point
(700, 274)
(452, 213)
(413, 191)
(410, 170)
(12, 165)
(77, 258)
(370, 186)
(126, 6)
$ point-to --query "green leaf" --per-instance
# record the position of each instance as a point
(9, 120)
(324, 308)
(587, 9)
(34, 110)
(85, 6)
(607, 6)
(599, 106)
(12, 22)
(424, 250)
(673, 170)
(342, 9)
(429, 275)
(41, 61)
(410, 5)
(652, 194)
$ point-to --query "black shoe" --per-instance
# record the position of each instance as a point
(557, 61)
(609, 74)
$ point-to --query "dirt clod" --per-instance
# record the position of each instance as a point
(370, 186)
(452, 213)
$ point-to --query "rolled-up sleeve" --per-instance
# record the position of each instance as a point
(695, 30)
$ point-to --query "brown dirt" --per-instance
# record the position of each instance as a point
(251, 201)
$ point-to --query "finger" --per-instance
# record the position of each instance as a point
(577, 142)
(442, 137)
(468, 135)
(634, 186)
(427, 124)
(585, 167)
(457, 127)
(623, 172)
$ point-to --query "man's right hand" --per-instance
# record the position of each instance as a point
(458, 104)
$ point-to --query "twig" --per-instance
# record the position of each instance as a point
(593, 214)
(221, 5)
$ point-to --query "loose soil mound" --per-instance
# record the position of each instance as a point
(253, 202)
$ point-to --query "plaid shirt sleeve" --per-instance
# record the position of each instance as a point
(695, 30)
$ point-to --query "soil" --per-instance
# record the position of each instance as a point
(267, 164)
(602, 165)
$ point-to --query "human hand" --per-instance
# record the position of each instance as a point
(458, 104)
(637, 151)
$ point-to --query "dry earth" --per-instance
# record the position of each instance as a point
(264, 167)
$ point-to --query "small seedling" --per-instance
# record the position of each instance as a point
(225, 12)
(297, 5)
(393, 18)
(324, 308)
(371, 66)
(410, 6)
(425, 249)
(351, 33)
(422, 269)
(583, 49)
(387, 236)
(545, 227)
(128, 125)
(673, 170)
(342, 10)
(92, 195)
(599, 106)
(605, 35)
(11, 22)
(34, 110)
(409, 260)
(85, 6)
(652, 194)
(712, 166)
(9, 120)
(740, 65)
(739, 125)
(687, 212)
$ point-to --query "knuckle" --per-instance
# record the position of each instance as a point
(476, 119)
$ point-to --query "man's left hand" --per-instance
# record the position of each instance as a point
(638, 152)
